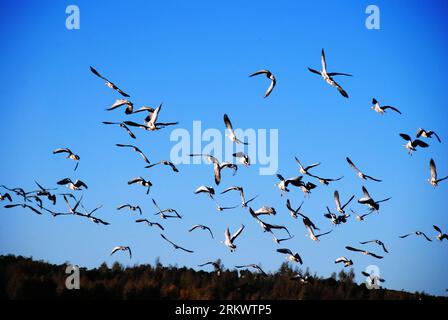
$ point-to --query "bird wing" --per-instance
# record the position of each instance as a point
(353, 249)
(339, 74)
(392, 108)
(263, 71)
(228, 123)
(312, 166)
(352, 164)
(426, 237)
(204, 264)
(372, 178)
(271, 87)
(135, 180)
(315, 71)
(336, 199)
(322, 234)
(79, 183)
(296, 181)
(155, 115)
(419, 143)
(98, 74)
(323, 60)
(115, 249)
(364, 242)
(341, 259)
(375, 256)
(433, 169)
(237, 233)
(217, 172)
(61, 150)
(64, 181)
(284, 250)
(404, 236)
(405, 137)
(437, 136)
(419, 132)
(349, 200)
(366, 193)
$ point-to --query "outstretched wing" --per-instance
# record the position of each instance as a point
(237, 233)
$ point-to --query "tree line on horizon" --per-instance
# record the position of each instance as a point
(25, 278)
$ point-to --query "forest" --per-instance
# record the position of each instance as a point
(24, 278)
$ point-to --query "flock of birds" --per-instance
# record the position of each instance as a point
(34, 200)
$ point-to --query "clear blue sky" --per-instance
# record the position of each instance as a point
(196, 58)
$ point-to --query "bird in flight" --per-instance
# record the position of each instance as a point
(216, 265)
(202, 227)
(372, 279)
(368, 201)
(70, 155)
(230, 239)
(336, 219)
(136, 149)
(382, 109)
(175, 246)
(378, 242)
(244, 203)
(283, 184)
(130, 207)
(278, 241)
(305, 170)
(243, 158)
(427, 134)
(345, 261)
(441, 235)
(328, 76)
(165, 163)
(77, 185)
(315, 237)
(141, 181)
(363, 252)
(150, 223)
(267, 227)
(412, 145)
(362, 216)
(325, 181)
(110, 84)
(124, 126)
(294, 257)
(23, 205)
(46, 193)
(122, 248)
(359, 172)
(162, 214)
(152, 124)
(217, 167)
(265, 210)
(5, 196)
(270, 76)
(254, 266)
(417, 233)
(433, 180)
(340, 208)
(231, 133)
(122, 102)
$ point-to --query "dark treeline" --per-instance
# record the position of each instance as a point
(24, 278)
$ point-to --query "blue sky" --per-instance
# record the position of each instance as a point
(196, 58)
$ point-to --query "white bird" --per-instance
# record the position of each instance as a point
(427, 134)
(122, 102)
(150, 223)
(162, 214)
(382, 109)
(244, 203)
(359, 173)
(122, 248)
(202, 227)
(270, 76)
(307, 187)
(70, 155)
(293, 212)
(231, 133)
(230, 239)
(175, 246)
(378, 242)
(130, 207)
(441, 235)
(325, 181)
(265, 210)
(365, 252)
(294, 257)
(243, 158)
(433, 180)
(327, 76)
(205, 189)
(254, 266)
(165, 163)
(368, 201)
(142, 182)
(217, 167)
(109, 83)
(340, 208)
(267, 227)
(136, 149)
(362, 216)
(412, 145)
(216, 265)
(124, 126)
(373, 279)
(345, 261)
(283, 184)
(417, 233)
(77, 185)
(305, 170)
(315, 237)
(152, 124)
